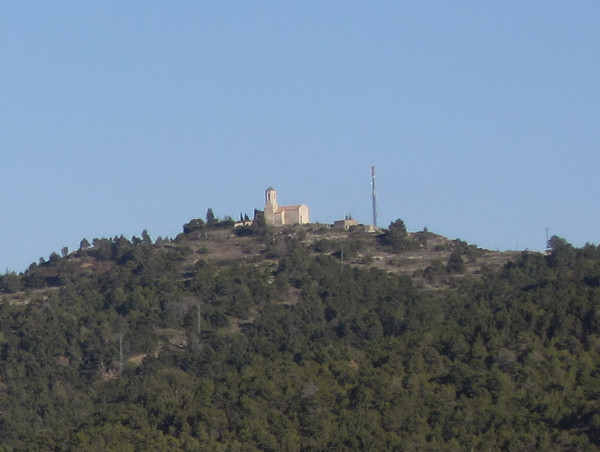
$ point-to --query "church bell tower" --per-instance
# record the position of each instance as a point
(270, 205)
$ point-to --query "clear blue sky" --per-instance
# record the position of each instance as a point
(482, 118)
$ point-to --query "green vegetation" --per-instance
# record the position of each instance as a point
(182, 345)
(397, 238)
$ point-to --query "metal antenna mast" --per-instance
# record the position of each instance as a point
(374, 197)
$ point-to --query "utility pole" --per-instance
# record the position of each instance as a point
(199, 321)
(121, 353)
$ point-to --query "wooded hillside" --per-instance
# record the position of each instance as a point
(301, 339)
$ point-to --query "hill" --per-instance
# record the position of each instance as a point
(301, 338)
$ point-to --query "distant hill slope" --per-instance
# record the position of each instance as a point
(301, 338)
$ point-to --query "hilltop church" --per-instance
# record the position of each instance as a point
(277, 215)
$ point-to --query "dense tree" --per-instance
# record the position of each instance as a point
(84, 244)
(10, 282)
(397, 236)
(194, 225)
(456, 264)
(210, 217)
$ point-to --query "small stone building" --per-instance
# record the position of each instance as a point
(345, 224)
(277, 215)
